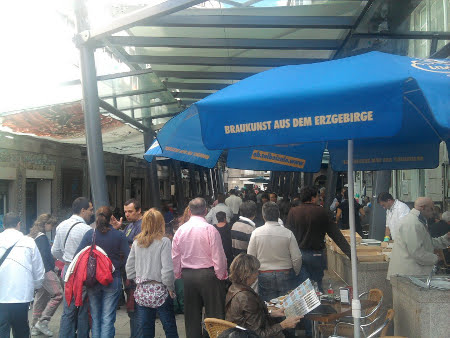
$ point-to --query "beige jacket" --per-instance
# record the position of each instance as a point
(413, 251)
(275, 247)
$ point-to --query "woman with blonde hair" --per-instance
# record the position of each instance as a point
(49, 296)
(150, 264)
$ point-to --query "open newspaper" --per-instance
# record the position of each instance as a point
(301, 300)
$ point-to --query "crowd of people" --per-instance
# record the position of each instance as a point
(223, 260)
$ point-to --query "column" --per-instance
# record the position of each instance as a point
(92, 124)
(151, 192)
(179, 190)
(192, 181)
(201, 172)
(377, 226)
(330, 186)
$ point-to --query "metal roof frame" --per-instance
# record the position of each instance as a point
(217, 61)
(223, 43)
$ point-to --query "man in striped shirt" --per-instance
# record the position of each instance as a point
(243, 228)
(69, 234)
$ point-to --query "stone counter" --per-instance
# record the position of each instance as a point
(371, 275)
(419, 312)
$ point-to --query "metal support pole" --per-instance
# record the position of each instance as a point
(287, 184)
(275, 181)
(152, 190)
(356, 304)
(295, 184)
(192, 181)
(201, 172)
(377, 226)
(331, 184)
(92, 124)
(270, 185)
(209, 183)
(221, 185)
(212, 188)
(308, 179)
(214, 182)
(179, 190)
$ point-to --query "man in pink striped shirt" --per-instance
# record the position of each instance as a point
(199, 259)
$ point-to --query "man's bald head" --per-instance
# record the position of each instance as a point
(425, 206)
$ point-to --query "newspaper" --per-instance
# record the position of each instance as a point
(301, 300)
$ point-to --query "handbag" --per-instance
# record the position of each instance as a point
(91, 279)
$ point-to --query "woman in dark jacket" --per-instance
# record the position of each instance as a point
(103, 299)
(244, 307)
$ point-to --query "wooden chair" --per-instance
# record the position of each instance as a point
(344, 326)
(216, 326)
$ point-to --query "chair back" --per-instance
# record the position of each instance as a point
(388, 321)
(382, 330)
(375, 295)
(216, 326)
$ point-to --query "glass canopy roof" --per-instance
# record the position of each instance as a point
(179, 51)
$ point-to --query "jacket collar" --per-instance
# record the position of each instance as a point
(421, 218)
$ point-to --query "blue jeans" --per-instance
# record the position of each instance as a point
(103, 302)
(274, 284)
(74, 320)
(145, 320)
(313, 264)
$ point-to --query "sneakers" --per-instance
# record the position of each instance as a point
(35, 332)
(43, 327)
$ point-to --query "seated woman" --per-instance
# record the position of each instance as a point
(244, 307)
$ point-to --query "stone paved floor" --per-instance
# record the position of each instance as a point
(123, 324)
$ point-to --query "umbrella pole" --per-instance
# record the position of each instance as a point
(356, 304)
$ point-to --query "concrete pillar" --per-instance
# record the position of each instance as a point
(330, 186)
(377, 226)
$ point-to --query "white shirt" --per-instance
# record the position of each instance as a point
(234, 202)
(22, 271)
(66, 253)
(275, 247)
(393, 215)
(211, 217)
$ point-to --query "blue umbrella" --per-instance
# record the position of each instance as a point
(395, 108)
(180, 139)
(392, 110)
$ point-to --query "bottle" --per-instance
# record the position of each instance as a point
(316, 288)
(330, 290)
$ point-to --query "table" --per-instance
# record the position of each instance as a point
(342, 310)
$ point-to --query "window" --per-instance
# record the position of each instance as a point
(430, 15)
